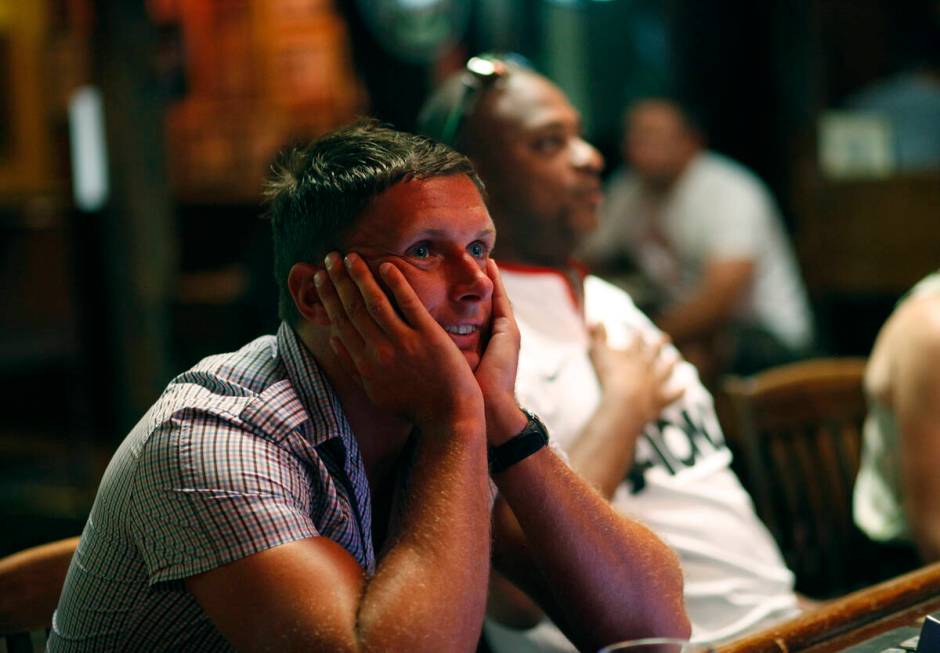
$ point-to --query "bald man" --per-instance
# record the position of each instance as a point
(632, 415)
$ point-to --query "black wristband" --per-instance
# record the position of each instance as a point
(519, 447)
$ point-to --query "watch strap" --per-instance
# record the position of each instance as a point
(519, 447)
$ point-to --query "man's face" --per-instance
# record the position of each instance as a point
(542, 178)
(439, 234)
(658, 143)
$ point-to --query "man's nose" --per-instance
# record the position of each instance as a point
(468, 281)
(586, 157)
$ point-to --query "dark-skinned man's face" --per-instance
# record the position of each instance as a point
(542, 177)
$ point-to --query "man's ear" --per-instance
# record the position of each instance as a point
(303, 291)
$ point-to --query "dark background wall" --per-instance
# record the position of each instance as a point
(100, 307)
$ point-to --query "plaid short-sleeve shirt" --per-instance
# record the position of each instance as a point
(242, 453)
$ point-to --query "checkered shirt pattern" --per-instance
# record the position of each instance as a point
(242, 453)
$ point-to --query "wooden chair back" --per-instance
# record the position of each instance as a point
(800, 434)
(30, 584)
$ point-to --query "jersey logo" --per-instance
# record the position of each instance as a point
(672, 445)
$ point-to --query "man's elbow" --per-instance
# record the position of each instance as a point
(680, 627)
(659, 602)
(670, 618)
(670, 621)
(665, 619)
(675, 621)
(927, 539)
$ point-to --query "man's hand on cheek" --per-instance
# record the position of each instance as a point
(405, 362)
(373, 263)
(496, 373)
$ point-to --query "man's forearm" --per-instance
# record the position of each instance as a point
(430, 589)
(603, 452)
(712, 304)
(427, 594)
(693, 320)
(602, 577)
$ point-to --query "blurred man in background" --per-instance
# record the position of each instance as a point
(705, 233)
(631, 414)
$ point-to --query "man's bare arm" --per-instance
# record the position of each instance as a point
(711, 306)
(429, 590)
(634, 387)
(916, 400)
(602, 577)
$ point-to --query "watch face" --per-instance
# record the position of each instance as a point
(535, 424)
(415, 30)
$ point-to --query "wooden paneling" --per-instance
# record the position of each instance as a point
(260, 73)
(25, 142)
(870, 236)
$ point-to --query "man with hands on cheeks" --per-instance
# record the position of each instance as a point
(328, 488)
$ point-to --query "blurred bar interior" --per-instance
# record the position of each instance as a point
(134, 137)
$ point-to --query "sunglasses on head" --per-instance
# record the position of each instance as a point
(480, 72)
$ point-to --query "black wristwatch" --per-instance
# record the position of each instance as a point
(520, 446)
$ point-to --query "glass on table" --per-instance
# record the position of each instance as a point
(657, 645)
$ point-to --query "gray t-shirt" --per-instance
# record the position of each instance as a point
(716, 210)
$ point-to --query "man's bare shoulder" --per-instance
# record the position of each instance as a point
(908, 343)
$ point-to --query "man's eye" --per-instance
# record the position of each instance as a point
(421, 250)
(478, 250)
(548, 144)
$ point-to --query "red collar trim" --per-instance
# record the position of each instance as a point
(577, 266)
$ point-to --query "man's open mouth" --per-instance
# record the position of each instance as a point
(461, 329)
